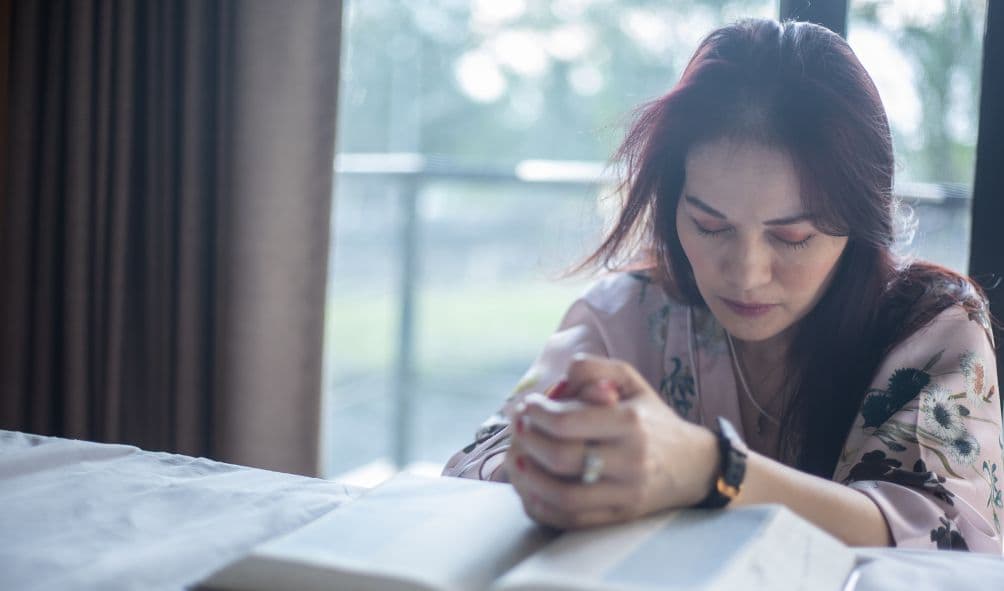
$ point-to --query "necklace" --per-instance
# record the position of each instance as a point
(763, 415)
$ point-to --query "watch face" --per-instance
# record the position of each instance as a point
(731, 469)
(726, 429)
(733, 460)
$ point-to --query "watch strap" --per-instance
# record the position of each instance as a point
(731, 467)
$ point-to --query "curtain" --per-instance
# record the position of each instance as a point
(164, 226)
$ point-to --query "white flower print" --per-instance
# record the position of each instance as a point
(973, 373)
(942, 415)
(964, 448)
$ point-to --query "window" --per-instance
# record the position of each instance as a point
(925, 58)
(471, 145)
(472, 138)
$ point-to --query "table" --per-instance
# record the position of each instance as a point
(83, 515)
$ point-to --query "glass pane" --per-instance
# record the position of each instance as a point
(925, 58)
(491, 121)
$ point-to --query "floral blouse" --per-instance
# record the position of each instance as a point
(927, 445)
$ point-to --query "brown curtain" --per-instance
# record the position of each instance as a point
(165, 223)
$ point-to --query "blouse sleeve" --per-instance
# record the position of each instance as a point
(927, 444)
(580, 332)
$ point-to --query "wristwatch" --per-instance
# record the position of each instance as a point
(732, 453)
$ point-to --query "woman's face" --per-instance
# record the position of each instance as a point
(759, 262)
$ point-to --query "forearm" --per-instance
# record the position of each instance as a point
(845, 513)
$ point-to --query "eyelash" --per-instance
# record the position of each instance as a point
(792, 245)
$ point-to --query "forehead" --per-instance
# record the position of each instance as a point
(743, 179)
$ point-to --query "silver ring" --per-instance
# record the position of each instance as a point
(592, 464)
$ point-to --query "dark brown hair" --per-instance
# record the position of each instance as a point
(797, 87)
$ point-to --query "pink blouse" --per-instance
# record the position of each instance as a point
(926, 445)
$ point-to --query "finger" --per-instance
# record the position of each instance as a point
(516, 462)
(602, 392)
(565, 458)
(560, 457)
(586, 368)
(573, 419)
(552, 516)
(568, 494)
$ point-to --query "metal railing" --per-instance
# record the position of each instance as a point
(409, 172)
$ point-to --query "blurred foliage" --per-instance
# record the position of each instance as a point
(558, 79)
(569, 71)
(943, 42)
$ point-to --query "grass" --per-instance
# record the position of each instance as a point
(467, 326)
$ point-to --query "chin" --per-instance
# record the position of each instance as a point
(750, 329)
(752, 334)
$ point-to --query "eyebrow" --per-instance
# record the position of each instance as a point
(785, 221)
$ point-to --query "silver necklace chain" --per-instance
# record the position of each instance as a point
(742, 381)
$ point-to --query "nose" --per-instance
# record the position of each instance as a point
(748, 266)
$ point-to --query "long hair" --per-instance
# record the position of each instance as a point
(796, 87)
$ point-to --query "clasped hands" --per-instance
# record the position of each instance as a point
(638, 455)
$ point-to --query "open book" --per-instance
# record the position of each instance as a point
(442, 534)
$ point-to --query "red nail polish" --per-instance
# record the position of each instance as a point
(520, 464)
(558, 391)
(519, 424)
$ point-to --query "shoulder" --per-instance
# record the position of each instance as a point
(951, 353)
(955, 327)
(633, 319)
(925, 300)
(622, 292)
(955, 318)
(952, 340)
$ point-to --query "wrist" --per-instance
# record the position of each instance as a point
(731, 467)
(705, 471)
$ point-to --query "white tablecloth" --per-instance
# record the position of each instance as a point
(81, 515)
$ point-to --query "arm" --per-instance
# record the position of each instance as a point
(927, 444)
(907, 479)
(844, 512)
(653, 460)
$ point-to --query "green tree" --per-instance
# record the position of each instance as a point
(944, 46)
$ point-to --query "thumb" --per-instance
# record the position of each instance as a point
(602, 392)
(607, 377)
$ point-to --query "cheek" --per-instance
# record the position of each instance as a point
(809, 276)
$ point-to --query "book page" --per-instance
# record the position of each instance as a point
(754, 548)
(409, 533)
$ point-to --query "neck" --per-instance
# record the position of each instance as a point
(766, 355)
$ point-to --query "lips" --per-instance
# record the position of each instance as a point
(748, 309)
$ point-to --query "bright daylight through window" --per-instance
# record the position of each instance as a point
(472, 142)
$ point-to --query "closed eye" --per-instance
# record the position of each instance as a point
(703, 231)
(787, 243)
(794, 244)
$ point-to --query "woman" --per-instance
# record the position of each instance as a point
(763, 343)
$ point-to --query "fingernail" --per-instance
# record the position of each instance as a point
(520, 424)
(520, 464)
(558, 390)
